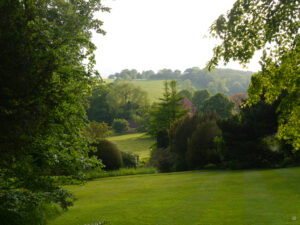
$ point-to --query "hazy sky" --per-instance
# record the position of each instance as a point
(157, 34)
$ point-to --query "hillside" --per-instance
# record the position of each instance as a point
(137, 143)
(227, 81)
(257, 197)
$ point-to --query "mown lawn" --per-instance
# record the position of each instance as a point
(137, 143)
(258, 197)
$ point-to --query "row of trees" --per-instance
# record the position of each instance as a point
(121, 100)
(226, 81)
(205, 140)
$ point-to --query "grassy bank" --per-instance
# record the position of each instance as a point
(137, 143)
(258, 197)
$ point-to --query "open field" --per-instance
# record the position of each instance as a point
(138, 143)
(257, 197)
(154, 88)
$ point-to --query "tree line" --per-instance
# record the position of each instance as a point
(227, 81)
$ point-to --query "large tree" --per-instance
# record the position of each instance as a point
(168, 110)
(46, 68)
(220, 104)
(126, 100)
(273, 27)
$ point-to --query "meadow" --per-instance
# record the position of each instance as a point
(254, 197)
(154, 88)
(137, 143)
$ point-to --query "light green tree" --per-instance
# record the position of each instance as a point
(272, 27)
(126, 100)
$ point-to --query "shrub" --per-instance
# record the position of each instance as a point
(96, 131)
(109, 153)
(162, 159)
(129, 159)
(24, 207)
(162, 138)
(120, 125)
(201, 147)
(181, 131)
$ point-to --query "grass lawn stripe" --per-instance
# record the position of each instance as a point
(255, 197)
(227, 205)
(260, 205)
(192, 208)
(105, 197)
(285, 189)
(163, 204)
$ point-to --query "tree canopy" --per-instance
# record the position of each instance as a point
(272, 27)
(46, 67)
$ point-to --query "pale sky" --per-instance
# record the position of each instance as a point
(158, 34)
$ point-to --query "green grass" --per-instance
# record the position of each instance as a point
(98, 173)
(154, 88)
(137, 143)
(258, 197)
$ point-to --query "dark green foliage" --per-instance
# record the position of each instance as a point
(120, 125)
(201, 146)
(99, 109)
(199, 98)
(162, 139)
(163, 159)
(243, 136)
(109, 154)
(186, 94)
(182, 131)
(24, 207)
(129, 159)
(168, 110)
(220, 104)
(46, 71)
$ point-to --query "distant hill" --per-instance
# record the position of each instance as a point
(227, 81)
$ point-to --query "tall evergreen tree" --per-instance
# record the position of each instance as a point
(167, 110)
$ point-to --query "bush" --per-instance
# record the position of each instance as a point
(96, 131)
(182, 131)
(24, 207)
(162, 159)
(129, 159)
(162, 138)
(120, 125)
(109, 153)
(201, 147)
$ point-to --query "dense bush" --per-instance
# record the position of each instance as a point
(162, 138)
(201, 146)
(162, 159)
(129, 159)
(109, 153)
(95, 131)
(120, 125)
(244, 136)
(23, 207)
